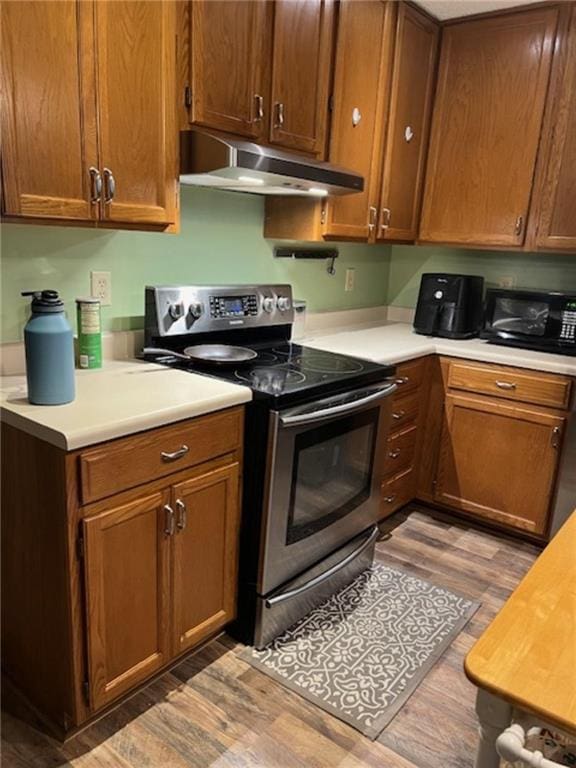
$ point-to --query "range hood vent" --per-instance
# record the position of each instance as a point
(220, 161)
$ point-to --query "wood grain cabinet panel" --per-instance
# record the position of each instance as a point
(498, 461)
(301, 60)
(48, 111)
(205, 555)
(406, 141)
(228, 67)
(137, 115)
(492, 84)
(127, 582)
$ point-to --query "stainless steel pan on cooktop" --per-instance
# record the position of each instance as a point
(217, 354)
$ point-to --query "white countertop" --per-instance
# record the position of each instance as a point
(119, 399)
(396, 342)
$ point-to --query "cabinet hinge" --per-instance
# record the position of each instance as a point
(86, 692)
(323, 215)
(331, 103)
(187, 97)
(80, 546)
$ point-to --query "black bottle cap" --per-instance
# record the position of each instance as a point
(45, 301)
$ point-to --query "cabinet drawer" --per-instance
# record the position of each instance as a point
(138, 459)
(397, 492)
(405, 411)
(409, 376)
(400, 450)
(528, 387)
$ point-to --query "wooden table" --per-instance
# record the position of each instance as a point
(526, 658)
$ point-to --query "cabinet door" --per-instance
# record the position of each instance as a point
(486, 125)
(48, 113)
(406, 141)
(557, 220)
(205, 555)
(127, 591)
(363, 60)
(229, 60)
(499, 461)
(302, 53)
(137, 109)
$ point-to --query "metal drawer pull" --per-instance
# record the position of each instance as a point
(110, 185)
(279, 115)
(394, 454)
(259, 107)
(390, 499)
(506, 384)
(398, 415)
(272, 601)
(175, 454)
(182, 515)
(169, 526)
(385, 220)
(372, 213)
(96, 184)
(402, 380)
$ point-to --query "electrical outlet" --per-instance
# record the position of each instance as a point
(350, 278)
(101, 287)
(507, 281)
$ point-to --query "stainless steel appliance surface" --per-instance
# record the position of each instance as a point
(314, 433)
(540, 320)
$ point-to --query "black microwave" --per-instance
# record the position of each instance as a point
(544, 321)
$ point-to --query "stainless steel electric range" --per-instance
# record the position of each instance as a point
(313, 439)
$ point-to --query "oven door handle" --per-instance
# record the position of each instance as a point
(272, 601)
(337, 410)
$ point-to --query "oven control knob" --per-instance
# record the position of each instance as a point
(196, 309)
(284, 303)
(268, 304)
(176, 311)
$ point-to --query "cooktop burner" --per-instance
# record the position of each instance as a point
(273, 380)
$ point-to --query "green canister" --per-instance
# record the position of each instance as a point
(89, 333)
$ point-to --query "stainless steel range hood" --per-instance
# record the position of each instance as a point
(220, 161)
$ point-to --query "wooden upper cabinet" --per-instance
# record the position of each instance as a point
(205, 561)
(406, 141)
(499, 461)
(364, 51)
(228, 65)
(492, 83)
(137, 114)
(48, 111)
(301, 60)
(127, 582)
(555, 210)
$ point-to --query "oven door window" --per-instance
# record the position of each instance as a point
(332, 473)
(520, 316)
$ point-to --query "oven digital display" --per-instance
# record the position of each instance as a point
(234, 304)
(520, 316)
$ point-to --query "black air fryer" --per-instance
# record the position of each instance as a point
(449, 306)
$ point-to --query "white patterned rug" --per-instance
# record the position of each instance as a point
(363, 652)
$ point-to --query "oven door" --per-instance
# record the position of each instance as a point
(323, 481)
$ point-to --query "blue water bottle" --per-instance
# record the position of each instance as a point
(49, 351)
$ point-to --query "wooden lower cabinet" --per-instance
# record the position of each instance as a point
(204, 563)
(127, 581)
(499, 461)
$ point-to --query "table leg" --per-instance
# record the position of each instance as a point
(494, 715)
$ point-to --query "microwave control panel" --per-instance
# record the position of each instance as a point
(568, 330)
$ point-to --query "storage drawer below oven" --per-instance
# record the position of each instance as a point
(283, 607)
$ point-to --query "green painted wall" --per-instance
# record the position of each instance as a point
(529, 270)
(220, 242)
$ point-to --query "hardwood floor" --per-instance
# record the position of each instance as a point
(215, 711)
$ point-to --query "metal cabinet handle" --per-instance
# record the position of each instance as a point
(519, 226)
(95, 184)
(394, 454)
(109, 185)
(505, 384)
(182, 515)
(556, 432)
(169, 521)
(385, 218)
(402, 380)
(166, 456)
(279, 107)
(259, 100)
(372, 214)
(398, 415)
(390, 499)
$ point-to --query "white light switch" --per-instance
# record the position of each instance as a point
(350, 278)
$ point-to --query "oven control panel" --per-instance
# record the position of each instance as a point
(173, 310)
